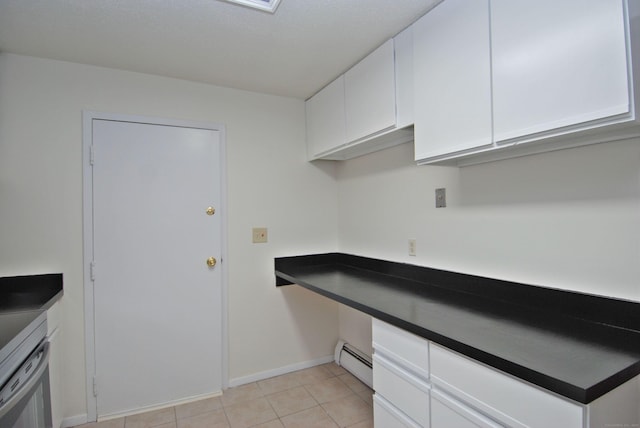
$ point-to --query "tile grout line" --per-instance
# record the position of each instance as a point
(272, 408)
(326, 373)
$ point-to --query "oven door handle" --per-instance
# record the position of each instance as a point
(33, 379)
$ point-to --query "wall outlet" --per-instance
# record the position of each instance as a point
(259, 235)
(412, 247)
(441, 198)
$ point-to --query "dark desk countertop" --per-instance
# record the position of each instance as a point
(576, 345)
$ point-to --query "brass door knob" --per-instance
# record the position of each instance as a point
(211, 211)
(211, 261)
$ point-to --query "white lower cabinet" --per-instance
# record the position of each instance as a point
(387, 415)
(503, 398)
(400, 377)
(55, 363)
(407, 392)
(446, 411)
(418, 383)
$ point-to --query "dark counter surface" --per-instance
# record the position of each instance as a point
(24, 301)
(29, 292)
(576, 345)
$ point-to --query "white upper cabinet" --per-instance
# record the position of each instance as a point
(452, 79)
(370, 94)
(500, 78)
(326, 127)
(557, 64)
(403, 47)
(369, 108)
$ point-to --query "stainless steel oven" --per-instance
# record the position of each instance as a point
(25, 400)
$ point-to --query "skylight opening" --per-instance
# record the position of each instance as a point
(265, 5)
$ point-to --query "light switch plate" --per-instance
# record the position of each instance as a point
(259, 235)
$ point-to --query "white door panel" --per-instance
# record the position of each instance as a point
(157, 304)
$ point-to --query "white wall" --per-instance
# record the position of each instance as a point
(567, 219)
(355, 328)
(269, 184)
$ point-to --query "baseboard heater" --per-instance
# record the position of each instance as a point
(355, 362)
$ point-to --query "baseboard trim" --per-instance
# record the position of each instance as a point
(83, 419)
(242, 380)
(73, 421)
(159, 406)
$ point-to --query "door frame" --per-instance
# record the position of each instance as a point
(87, 227)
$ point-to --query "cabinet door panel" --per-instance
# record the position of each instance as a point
(55, 364)
(447, 412)
(499, 395)
(325, 119)
(407, 392)
(403, 46)
(386, 415)
(556, 64)
(370, 94)
(407, 349)
(452, 77)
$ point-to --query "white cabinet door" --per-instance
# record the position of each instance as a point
(370, 94)
(407, 349)
(447, 412)
(326, 119)
(556, 64)
(498, 395)
(386, 415)
(400, 374)
(403, 46)
(452, 79)
(55, 364)
(404, 390)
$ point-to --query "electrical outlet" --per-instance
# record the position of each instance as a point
(412, 247)
(259, 235)
(441, 198)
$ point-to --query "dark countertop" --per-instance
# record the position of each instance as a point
(577, 345)
(23, 300)
(29, 292)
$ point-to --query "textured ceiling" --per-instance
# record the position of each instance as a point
(294, 52)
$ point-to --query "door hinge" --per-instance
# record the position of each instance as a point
(92, 154)
(92, 270)
(95, 387)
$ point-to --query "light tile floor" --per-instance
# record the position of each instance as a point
(325, 396)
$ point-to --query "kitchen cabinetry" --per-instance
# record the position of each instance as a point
(370, 94)
(452, 79)
(500, 397)
(387, 415)
(55, 363)
(530, 79)
(557, 65)
(358, 113)
(400, 376)
(325, 113)
(448, 412)
(420, 383)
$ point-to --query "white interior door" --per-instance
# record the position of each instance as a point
(157, 304)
